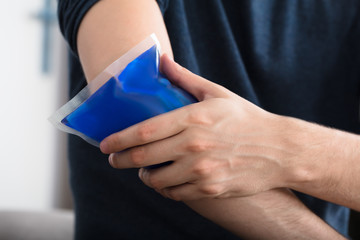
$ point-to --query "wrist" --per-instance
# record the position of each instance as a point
(321, 158)
(304, 141)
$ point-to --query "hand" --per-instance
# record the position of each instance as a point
(223, 146)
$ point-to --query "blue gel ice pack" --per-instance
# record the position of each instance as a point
(139, 92)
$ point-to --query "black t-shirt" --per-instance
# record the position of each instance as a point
(298, 58)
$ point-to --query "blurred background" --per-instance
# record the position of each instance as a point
(33, 62)
(33, 174)
(34, 189)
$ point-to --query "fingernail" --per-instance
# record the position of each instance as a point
(140, 173)
(111, 160)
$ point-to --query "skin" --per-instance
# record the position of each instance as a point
(235, 167)
(115, 26)
(220, 155)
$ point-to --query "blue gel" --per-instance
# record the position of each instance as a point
(138, 93)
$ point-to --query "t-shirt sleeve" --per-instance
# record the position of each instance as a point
(163, 5)
(71, 13)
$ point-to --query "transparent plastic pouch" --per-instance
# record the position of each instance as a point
(127, 92)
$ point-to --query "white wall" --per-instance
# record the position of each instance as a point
(28, 165)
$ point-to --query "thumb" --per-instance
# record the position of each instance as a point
(199, 87)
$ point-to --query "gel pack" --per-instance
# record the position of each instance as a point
(127, 92)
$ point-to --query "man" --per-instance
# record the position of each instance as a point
(233, 161)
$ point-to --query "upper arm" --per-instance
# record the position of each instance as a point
(112, 27)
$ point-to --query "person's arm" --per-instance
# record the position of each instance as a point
(225, 146)
(111, 28)
(274, 214)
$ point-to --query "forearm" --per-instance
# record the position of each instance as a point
(112, 27)
(326, 164)
(275, 214)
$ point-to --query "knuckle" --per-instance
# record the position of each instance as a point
(137, 156)
(198, 118)
(144, 132)
(202, 168)
(211, 189)
(196, 145)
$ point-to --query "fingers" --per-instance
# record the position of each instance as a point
(184, 180)
(199, 87)
(151, 130)
(172, 175)
(168, 124)
(146, 155)
(185, 192)
(170, 187)
(190, 192)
